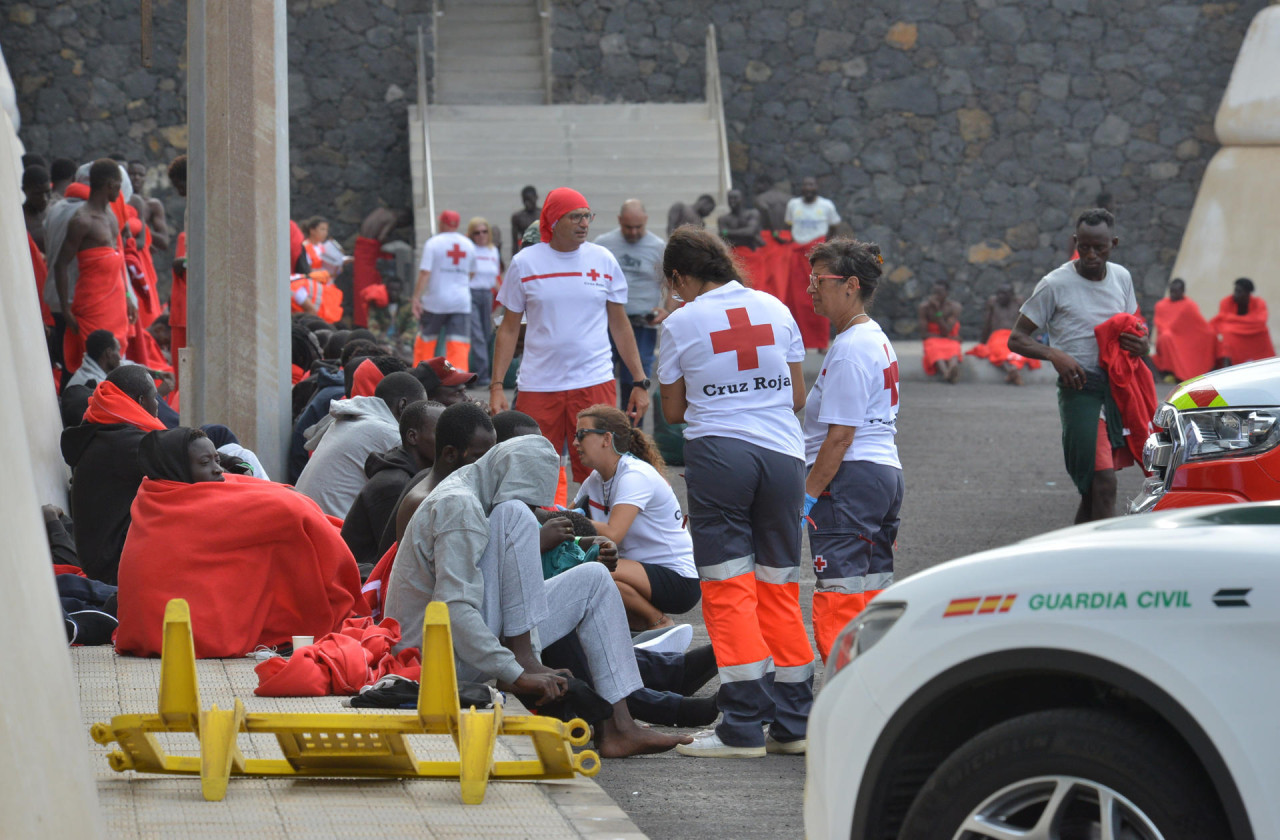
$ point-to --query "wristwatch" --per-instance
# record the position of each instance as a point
(643, 383)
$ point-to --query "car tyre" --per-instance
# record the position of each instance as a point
(1048, 772)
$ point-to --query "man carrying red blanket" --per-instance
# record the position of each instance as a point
(258, 562)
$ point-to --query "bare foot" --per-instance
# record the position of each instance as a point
(1015, 378)
(953, 375)
(619, 741)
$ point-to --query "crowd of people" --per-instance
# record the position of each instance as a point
(401, 489)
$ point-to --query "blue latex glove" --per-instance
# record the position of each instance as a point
(809, 502)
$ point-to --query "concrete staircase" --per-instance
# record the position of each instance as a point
(490, 52)
(482, 143)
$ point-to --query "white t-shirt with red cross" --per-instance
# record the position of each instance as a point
(732, 346)
(488, 267)
(451, 259)
(563, 295)
(658, 534)
(858, 387)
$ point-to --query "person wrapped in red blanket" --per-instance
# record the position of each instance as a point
(997, 325)
(940, 326)
(1185, 343)
(257, 561)
(1241, 324)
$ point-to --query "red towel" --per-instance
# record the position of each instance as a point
(1244, 337)
(108, 405)
(364, 274)
(756, 268)
(375, 588)
(1132, 387)
(1185, 343)
(98, 302)
(342, 662)
(258, 562)
(997, 351)
(559, 201)
(939, 348)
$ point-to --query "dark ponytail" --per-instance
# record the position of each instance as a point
(696, 253)
(626, 438)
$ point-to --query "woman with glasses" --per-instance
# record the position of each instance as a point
(488, 268)
(730, 368)
(631, 503)
(573, 295)
(853, 490)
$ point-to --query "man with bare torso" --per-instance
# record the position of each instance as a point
(940, 328)
(521, 219)
(997, 325)
(100, 300)
(35, 187)
(150, 210)
(374, 231)
(740, 227)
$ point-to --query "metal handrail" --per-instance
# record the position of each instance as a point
(544, 18)
(429, 190)
(715, 101)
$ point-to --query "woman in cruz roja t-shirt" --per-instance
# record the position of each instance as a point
(632, 504)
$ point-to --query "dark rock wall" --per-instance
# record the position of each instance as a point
(961, 135)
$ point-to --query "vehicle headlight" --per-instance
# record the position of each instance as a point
(863, 632)
(1218, 433)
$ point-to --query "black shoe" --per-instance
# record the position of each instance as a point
(699, 668)
(697, 711)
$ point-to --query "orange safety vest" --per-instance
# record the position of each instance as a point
(326, 296)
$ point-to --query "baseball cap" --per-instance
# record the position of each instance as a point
(450, 375)
(450, 218)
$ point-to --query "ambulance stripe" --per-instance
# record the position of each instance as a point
(550, 276)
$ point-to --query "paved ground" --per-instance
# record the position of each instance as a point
(983, 468)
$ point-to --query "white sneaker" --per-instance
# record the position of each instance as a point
(785, 747)
(707, 744)
(674, 639)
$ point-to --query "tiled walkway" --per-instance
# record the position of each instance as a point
(146, 805)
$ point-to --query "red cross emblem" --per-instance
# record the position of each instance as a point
(455, 253)
(743, 337)
(819, 564)
(890, 380)
(594, 275)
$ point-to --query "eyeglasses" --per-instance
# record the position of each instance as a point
(581, 434)
(579, 218)
(816, 279)
(481, 230)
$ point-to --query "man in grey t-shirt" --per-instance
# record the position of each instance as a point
(1066, 305)
(639, 252)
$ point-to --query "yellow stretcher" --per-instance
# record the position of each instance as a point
(343, 743)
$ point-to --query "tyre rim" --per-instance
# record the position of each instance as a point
(1057, 808)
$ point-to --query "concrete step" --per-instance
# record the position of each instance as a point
(487, 35)
(481, 14)
(508, 97)
(463, 82)
(667, 134)
(524, 65)
(559, 114)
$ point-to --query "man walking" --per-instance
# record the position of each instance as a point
(442, 296)
(1067, 304)
(639, 252)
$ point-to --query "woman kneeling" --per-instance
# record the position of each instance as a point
(631, 503)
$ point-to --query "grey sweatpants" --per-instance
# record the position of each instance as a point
(583, 600)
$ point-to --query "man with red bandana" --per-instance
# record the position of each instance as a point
(573, 294)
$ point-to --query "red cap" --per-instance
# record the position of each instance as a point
(448, 374)
(450, 218)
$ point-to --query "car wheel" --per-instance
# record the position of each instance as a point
(1066, 774)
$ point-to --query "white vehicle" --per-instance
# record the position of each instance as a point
(1115, 680)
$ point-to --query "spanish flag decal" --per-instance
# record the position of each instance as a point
(980, 606)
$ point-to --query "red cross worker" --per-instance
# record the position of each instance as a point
(442, 296)
(730, 368)
(850, 421)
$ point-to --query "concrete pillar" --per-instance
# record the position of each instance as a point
(46, 782)
(237, 234)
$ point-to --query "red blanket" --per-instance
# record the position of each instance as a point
(257, 561)
(98, 303)
(814, 329)
(756, 264)
(1132, 387)
(1185, 343)
(364, 273)
(1244, 337)
(997, 351)
(42, 272)
(108, 405)
(343, 662)
(939, 348)
(375, 588)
